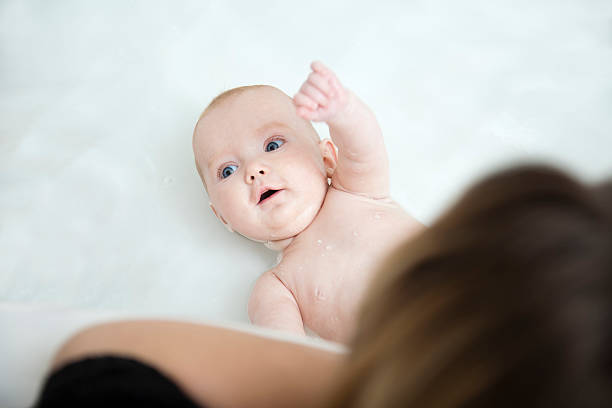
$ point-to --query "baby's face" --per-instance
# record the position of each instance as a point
(262, 164)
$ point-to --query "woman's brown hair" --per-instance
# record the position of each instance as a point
(505, 301)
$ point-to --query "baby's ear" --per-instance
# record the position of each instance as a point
(220, 217)
(330, 156)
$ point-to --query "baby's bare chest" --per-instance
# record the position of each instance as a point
(330, 264)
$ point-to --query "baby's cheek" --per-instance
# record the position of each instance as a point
(236, 213)
(245, 221)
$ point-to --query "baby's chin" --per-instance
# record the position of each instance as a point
(285, 230)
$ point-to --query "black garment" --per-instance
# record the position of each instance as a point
(110, 381)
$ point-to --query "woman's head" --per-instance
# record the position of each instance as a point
(504, 301)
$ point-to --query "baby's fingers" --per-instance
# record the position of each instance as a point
(302, 100)
(321, 83)
(305, 113)
(318, 66)
(335, 87)
(314, 93)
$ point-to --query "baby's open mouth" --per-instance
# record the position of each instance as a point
(267, 194)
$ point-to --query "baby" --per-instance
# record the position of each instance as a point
(268, 174)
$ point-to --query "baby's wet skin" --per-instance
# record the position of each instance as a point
(328, 266)
(325, 206)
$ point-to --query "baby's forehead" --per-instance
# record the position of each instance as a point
(248, 109)
(245, 112)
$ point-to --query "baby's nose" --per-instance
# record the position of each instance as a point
(254, 172)
(260, 172)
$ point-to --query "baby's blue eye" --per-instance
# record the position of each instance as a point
(273, 145)
(228, 171)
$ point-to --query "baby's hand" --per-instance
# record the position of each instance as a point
(321, 97)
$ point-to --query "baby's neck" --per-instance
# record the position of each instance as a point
(279, 245)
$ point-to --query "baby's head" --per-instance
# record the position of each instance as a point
(264, 167)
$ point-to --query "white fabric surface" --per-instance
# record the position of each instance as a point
(101, 208)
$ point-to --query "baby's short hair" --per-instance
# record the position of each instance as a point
(226, 94)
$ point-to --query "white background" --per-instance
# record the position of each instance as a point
(101, 208)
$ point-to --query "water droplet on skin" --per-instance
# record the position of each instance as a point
(319, 242)
(328, 247)
(319, 295)
(355, 234)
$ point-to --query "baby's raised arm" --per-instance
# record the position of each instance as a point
(363, 165)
